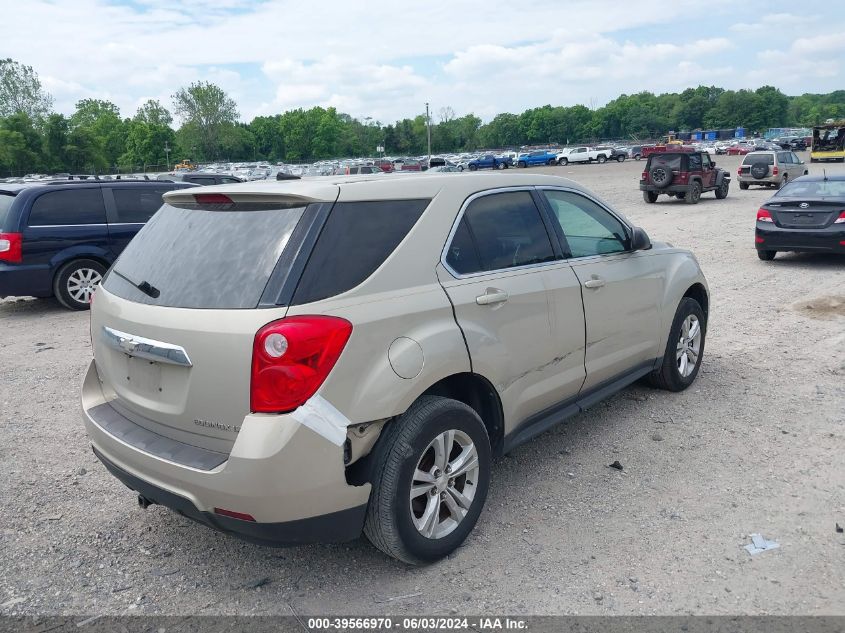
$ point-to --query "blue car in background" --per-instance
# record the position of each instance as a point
(489, 161)
(59, 238)
(537, 157)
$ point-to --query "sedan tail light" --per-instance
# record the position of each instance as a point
(764, 216)
(11, 247)
(291, 358)
(839, 220)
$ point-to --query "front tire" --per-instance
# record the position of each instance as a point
(76, 282)
(473, 167)
(522, 164)
(430, 481)
(722, 190)
(684, 349)
(563, 162)
(620, 158)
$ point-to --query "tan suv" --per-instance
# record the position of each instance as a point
(300, 361)
(770, 168)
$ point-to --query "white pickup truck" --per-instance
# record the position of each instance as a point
(583, 155)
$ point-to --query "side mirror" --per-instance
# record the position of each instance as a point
(640, 240)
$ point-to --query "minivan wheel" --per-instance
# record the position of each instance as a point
(684, 349)
(430, 481)
(76, 282)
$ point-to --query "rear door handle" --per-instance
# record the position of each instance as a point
(493, 295)
(595, 282)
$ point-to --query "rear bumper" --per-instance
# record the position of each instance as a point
(289, 478)
(768, 180)
(668, 189)
(337, 527)
(775, 238)
(23, 280)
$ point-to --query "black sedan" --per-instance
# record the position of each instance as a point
(807, 215)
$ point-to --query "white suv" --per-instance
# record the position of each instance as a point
(299, 361)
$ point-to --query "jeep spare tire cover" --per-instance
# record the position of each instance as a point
(759, 170)
(661, 175)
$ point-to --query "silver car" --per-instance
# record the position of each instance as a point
(302, 361)
(770, 168)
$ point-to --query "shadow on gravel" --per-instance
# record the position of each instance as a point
(22, 307)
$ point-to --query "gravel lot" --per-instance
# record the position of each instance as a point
(755, 446)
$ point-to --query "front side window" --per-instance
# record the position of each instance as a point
(587, 227)
(507, 231)
(69, 206)
(705, 161)
(136, 206)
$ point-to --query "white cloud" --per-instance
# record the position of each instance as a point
(385, 61)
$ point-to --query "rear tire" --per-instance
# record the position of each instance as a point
(620, 158)
(409, 459)
(638, 157)
(602, 159)
(76, 282)
(694, 194)
(783, 181)
(522, 164)
(650, 197)
(743, 185)
(675, 374)
(473, 167)
(766, 256)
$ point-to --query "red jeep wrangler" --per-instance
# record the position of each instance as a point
(684, 175)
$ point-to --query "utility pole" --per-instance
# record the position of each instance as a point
(428, 128)
(167, 154)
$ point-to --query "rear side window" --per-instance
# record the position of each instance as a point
(356, 239)
(507, 231)
(136, 206)
(462, 256)
(694, 162)
(67, 207)
(199, 258)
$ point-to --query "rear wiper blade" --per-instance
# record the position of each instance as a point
(145, 286)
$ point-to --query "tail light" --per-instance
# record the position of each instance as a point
(645, 175)
(291, 358)
(839, 220)
(764, 216)
(11, 247)
(774, 171)
(739, 172)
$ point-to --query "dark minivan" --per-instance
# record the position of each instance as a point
(59, 238)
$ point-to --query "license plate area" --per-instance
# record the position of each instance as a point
(142, 376)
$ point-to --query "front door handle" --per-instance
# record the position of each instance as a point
(595, 282)
(491, 296)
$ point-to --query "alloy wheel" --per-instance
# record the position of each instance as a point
(444, 484)
(82, 283)
(689, 345)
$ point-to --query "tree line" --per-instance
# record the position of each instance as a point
(97, 139)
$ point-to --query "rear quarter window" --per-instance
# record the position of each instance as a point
(356, 239)
(68, 207)
(6, 200)
(136, 206)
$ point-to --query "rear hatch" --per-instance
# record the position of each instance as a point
(802, 213)
(174, 323)
(752, 159)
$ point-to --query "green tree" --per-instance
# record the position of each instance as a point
(54, 143)
(205, 110)
(101, 120)
(20, 91)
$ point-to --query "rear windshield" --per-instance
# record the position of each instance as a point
(672, 161)
(766, 159)
(198, 258)
(6, 200)
(814, 188)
